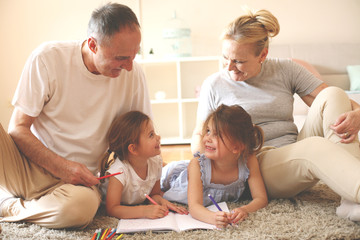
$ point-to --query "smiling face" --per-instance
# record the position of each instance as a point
(117, 53)
(215, 147)
(240, 60)
(149, 142)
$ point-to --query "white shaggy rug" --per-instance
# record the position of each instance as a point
(311, 215)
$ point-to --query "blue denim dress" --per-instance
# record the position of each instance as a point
(174, 182)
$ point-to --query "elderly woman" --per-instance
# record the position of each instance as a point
(327, 147)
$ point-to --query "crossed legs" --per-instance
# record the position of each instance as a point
(29, 193)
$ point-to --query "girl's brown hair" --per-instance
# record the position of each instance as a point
(124, 130)
(234, 123)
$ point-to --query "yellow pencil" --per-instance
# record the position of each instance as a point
(119, 237)
(102, 237)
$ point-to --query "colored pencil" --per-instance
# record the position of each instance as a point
(119, 237)
(98, 234)
(102, 237)
(110, 175)
(94, 236)
(215, 203)
(150, 199)
(110, 234)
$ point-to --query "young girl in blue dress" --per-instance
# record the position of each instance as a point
(136, 148)
(227, 165)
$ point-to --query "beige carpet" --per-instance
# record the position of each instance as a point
(310, 215)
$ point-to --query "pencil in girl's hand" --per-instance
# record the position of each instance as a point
(153, 201)
(110, 175)
(215, 203)
(150, 199)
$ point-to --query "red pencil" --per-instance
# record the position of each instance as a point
(110, 175)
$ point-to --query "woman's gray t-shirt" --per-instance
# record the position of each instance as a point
(267, 97)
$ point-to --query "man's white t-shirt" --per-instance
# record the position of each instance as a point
(73, 107)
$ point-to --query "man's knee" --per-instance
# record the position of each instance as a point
(78, 209)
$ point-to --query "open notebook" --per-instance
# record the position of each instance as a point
(171, 222)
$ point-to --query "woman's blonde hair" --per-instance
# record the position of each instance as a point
(254, 28)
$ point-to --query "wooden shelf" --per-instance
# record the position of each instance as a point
(173, 88)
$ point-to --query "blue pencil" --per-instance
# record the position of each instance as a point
(215, 203)
(112, 233)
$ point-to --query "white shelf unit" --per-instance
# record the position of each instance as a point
(173, 86)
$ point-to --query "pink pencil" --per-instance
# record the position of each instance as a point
(150, 199)
(110, 175)
(153, 201)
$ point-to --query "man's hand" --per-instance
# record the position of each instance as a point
(77, 174)
(35, 151)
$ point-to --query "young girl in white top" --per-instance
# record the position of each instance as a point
(136, 149)
(229, 163)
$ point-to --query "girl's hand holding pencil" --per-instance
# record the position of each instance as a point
(155, 211)
(168, 205)
(222, 219)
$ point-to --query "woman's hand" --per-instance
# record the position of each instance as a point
(347, 126)
(238, 214)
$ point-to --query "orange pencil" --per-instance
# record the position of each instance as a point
(94, 236)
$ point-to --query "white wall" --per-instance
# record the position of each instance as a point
(25, 24)
(304, 21)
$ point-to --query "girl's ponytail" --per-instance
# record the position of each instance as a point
(107, 159)
(259, 138)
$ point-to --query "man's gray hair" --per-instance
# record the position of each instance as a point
(110, 19)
